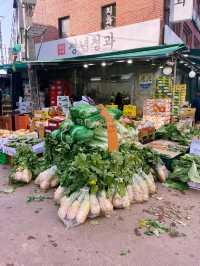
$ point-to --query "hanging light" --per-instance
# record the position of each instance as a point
(161, 67)
(129, 61)
(192, 74)
(85, 65)
(103, 64)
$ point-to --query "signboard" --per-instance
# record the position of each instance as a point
(64, 103)
(195, 147)
(133, 36)
(129, 110)
(181, 10)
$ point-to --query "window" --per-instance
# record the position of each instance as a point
(109, 16)
(187, 35)
(64, 27)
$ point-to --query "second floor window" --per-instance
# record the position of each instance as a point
(64, 27)
(109, 16)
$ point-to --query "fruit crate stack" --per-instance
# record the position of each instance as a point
(56, 89)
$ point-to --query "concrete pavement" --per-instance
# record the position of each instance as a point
(32, 235)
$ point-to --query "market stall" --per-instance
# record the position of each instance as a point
(101, 158)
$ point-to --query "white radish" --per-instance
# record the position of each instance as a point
(45, 185)
(105, 204)
(65, 203)
(130, 193)
(54, 182)
(84, 210)
(58, 194)
(74, 208)
(94, 206)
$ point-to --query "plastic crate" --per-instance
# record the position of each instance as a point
(3, 158)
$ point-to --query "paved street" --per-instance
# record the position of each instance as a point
(31, 234)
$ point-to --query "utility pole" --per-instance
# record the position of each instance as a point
(28, 7)
(1, 44)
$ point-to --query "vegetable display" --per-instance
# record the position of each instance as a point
(94, 181)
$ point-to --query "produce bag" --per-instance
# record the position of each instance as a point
(81, 134)
(65, 203)
(116, 113)
(105, 204)
(121, 202)
(138, 194)
(47, 178)
(94, 206)
(194, 174)
(150, 182)
(143, 186)
(84, 111)
(91, 122)
(67, 125)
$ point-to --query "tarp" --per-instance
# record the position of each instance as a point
(148, 52)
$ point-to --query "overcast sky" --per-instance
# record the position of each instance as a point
(6, 11)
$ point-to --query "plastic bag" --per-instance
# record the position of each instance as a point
(84, 111)
(67, 125)
(130, 193)
(65, 203)
(81, 134)
(94, 206)
(121, 202)
(46, 175)
(143, 186)
(115, 113)
(150, 182)
(138, 194)
(105, 204)
(194, 174)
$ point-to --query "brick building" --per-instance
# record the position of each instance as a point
(71, 18)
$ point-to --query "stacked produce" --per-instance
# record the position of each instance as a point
(94, 181)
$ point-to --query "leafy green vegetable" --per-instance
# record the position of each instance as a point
(171, 132)
(178, 185)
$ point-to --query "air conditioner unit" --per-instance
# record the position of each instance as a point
(29, 2)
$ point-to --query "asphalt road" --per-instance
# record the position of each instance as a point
(31, 233)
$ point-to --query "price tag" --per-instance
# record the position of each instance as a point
(195, 147)
(129, 110)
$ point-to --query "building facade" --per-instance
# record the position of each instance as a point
(88, 16)
(71, 18)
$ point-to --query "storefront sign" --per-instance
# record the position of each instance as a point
(133, 36)
(181, 10)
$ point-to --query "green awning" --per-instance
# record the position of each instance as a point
(18, 66)
(141, 53)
